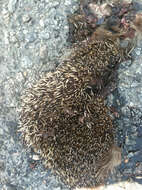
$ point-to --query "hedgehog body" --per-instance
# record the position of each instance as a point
(69, 125)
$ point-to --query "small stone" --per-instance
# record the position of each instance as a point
(2, 166)
(26, 62)
(128, 1)
(26, 18)
(12, 37)
(6, 16)
(138, 51)
(44, 35)
(19, 77)
(130, 142)
(58, 188)
(127, 172)
(130, 155)
(1, 131)
(6, 38)
(138, 177)
(126, 161)
(125, 64)
(41, 22)
(31, 37)
(4, 12)
(25, 32)
(67, 3)
(138, 169)
(35, 157)
(12, 5)
(10, 187)
(43, 51)
(25, 74)
(55, 3)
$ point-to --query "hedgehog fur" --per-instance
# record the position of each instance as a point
(61, 119)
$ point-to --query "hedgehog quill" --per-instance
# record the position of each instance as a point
(64, 117)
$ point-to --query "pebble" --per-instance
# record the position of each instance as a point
(43, 51)
(31, 37)
(2, 166)
(124, 186)
(12, 5)
(25, 74)
(9, 187)
(26, 18)
(138, 51)
(35, 157)
(19, 77)
(1, 131)
(26, 62)
(41, 22)
(6, 38)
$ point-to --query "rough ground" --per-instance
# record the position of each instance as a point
(32, 37)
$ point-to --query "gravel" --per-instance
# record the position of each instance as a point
(33, 37)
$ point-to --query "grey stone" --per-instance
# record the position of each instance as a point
(31, 37)
(2, 166)
(9, 187)
(35, 157)
(26, 18)
(138, 51)
(12, 5)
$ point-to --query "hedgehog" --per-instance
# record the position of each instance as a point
(65, 119)
(63, 114)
